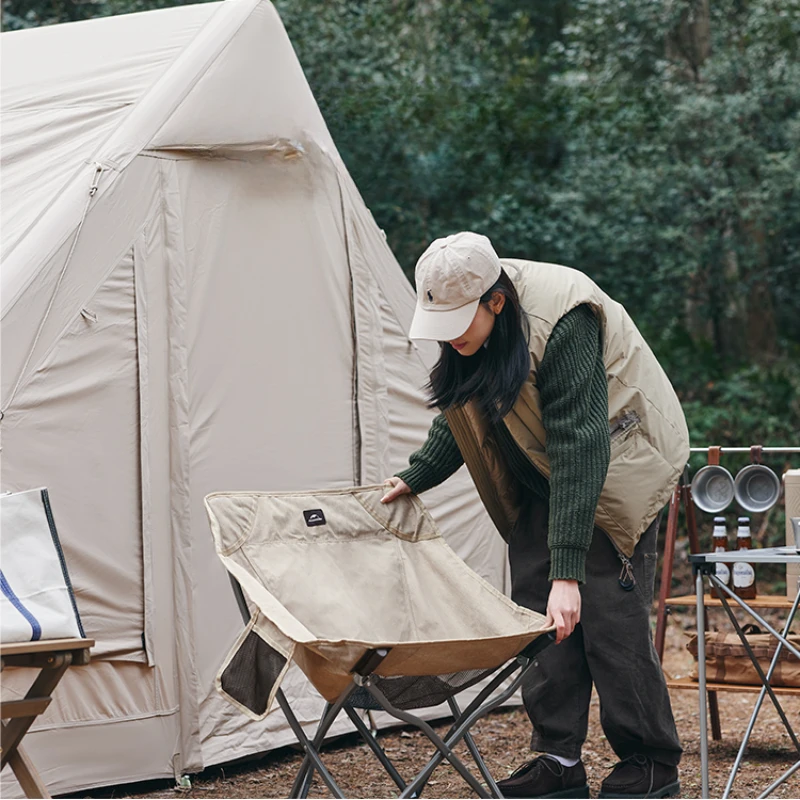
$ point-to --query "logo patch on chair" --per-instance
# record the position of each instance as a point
(314, 517)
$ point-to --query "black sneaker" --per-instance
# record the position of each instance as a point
(545, 777)
(640, 776)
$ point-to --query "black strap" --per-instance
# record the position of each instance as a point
(751, 630)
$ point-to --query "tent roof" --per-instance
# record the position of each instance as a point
(66, 87)
(104, 90)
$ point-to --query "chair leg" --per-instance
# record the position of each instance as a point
(312, 759)
(474, 711)
(473, 749)
(463, 721)
(379, 752)
(412, 790)
(305, 775)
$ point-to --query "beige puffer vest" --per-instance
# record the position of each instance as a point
(649, 438)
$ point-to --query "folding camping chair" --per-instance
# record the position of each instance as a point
(378, 612)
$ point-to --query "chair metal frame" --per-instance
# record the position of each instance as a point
(363, 677)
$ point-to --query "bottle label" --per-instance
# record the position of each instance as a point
(724, 574)
(743, 575)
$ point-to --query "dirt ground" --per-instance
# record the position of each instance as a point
(502, 738)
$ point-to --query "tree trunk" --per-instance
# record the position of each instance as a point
(690, 42)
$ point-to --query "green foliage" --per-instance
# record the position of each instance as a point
(18, 14)
(752, 404)
(682, 188)
(432, 106)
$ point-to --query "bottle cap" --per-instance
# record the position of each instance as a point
(744, 520)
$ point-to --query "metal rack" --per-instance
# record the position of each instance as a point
(682, 495)
(704, 564)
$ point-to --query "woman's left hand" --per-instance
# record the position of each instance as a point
(564, 608)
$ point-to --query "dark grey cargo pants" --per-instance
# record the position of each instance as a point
(611, 648)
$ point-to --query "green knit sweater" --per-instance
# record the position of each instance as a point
(574, 398)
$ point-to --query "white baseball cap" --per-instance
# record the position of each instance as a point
(451, 276)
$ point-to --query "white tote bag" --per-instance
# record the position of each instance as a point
(36, 599)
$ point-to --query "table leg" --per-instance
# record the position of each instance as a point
(12, 732)
(694, 547)
(27, 775)
(701, 677)
(765, 679)
(780, 781)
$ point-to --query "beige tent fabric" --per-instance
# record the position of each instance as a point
(58, 106)
(167, 369)
(336, 573)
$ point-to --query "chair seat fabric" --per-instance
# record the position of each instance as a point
(335, 573)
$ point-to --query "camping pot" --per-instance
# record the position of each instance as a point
(712, 488)
(756, 488)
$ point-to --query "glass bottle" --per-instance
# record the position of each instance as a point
(744, 576)
(719, 544)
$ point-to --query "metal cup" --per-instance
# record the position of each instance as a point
(712, 488)
(756, 488)
(796, 529)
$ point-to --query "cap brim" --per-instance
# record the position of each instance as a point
(442, 326)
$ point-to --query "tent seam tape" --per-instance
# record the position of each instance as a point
(189, 754)
(382, 286)
(143, 368)
(357, 444)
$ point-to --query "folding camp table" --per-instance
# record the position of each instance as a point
(705, 564)
(378, 612)
(52, 657)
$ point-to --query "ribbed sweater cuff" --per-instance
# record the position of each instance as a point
(419, 477)
(568, 564)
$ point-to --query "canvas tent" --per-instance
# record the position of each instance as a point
(194, 299)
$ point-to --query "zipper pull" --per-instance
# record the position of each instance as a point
(627, 580)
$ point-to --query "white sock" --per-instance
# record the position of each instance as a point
(566, 762)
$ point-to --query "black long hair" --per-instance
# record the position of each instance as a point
(495, 374)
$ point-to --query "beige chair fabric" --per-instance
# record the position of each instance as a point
(336, 573)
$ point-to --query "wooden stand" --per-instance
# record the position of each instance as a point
(52, 657)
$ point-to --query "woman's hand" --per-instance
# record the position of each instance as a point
(564, 608)
(398, 487)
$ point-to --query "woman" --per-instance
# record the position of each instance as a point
(574, 438)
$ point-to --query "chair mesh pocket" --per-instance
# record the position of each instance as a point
(409, 692)
(252, 673)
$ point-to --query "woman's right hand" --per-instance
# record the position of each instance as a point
(397, 487)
